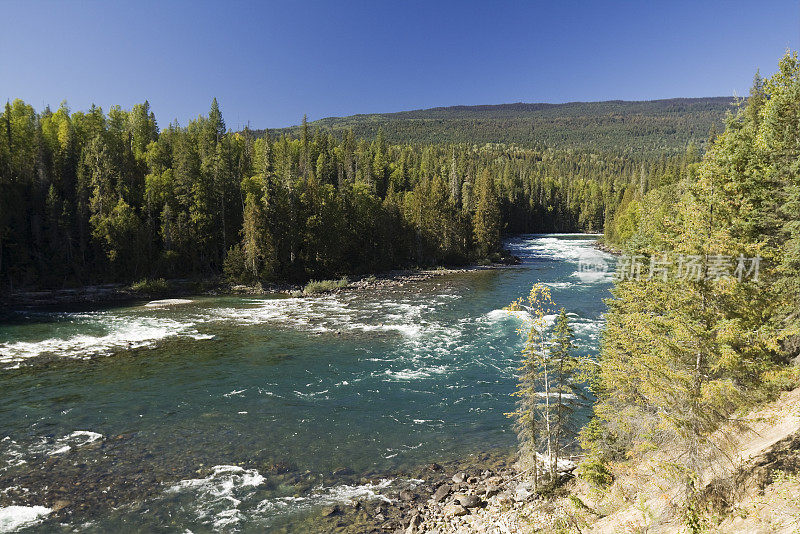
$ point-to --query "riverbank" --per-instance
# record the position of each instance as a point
(178, 289)
(73, 489)
(266, 413)
(483, 493)
(606, 247)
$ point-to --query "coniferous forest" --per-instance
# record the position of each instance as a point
(682, 359)
(335, 296)
(89, 196)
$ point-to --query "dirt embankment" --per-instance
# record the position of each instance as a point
(749, 481)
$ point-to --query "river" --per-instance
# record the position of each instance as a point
(249, 414)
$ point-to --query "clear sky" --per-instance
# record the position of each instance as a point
(270, 62)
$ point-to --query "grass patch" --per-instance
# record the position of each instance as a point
(150, 286)
(323, 286)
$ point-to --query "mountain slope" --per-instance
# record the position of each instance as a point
(624, 126)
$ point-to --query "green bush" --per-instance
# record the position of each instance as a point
(595, 472)
(146, 285)
(323, 286)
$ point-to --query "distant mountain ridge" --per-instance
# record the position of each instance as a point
(663, 126)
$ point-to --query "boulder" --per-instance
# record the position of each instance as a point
(491, 491)
(468, 501)
(522, 493)
(407, 496)
(331, 511)
(441, 492)
(505, 498)
(455, 510)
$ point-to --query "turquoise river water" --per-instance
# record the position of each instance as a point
(247, 414)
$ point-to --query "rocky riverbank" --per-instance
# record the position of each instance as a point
(484, 493)
(606, 247)
(472, 494)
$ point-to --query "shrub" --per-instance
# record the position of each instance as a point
(323, 286)
(146, 285)
(595, 472)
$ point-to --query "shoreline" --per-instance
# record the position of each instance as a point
(605, 247)
(471, 495)
(177, 289)
(77, 492)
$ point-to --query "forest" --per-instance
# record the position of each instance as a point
(90, 196)
(684, 358)
(650, 128)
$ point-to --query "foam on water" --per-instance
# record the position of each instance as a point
(76, 439)
(331, 313)
(322, 496)
(121, 332)
(522, 317)
(13, 518)
(577, 249)
(417, 373)
(232, 494)
(216, 498)
(11, 454)
(167, 302)
(102, 333)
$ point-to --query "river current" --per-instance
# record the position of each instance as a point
(250, 414)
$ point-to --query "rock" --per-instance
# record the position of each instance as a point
(342, 471)
(494, 481)
(455, 510)
(435, 467)
(458, 478)
(491, 491)
(441, 492)
(468, 501)
(522, 493)
(380, 518)
(413, 524)
(407, 496)
(59, 504)
(472, 480)
(331, 511)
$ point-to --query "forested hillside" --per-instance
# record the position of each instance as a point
(649, 127)
(707, 326)
(94, 196)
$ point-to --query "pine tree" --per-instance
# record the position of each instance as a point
(486, 221)
(569, 383)
(534, 417)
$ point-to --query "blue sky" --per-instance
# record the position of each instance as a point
(270, 62)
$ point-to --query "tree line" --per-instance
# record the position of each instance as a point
(651, 128)
(89, 196)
